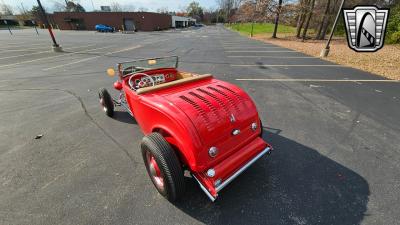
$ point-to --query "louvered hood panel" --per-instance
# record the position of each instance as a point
(216, 109)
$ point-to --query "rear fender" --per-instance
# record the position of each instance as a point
(184, 157)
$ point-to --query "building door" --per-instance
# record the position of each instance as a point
(129, 25)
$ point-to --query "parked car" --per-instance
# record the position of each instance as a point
(104, 28)
(192, 122)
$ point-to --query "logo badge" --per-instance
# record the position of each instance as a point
(232, 118)
(365, 27)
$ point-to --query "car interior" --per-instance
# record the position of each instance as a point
(156, 79)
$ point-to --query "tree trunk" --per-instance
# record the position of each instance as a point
(301, 18)
(322, 25)
(309, 14)
(277, 18)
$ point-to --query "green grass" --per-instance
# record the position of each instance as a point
(260, 28)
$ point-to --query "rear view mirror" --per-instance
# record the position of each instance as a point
(111, 72)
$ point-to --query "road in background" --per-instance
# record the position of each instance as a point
(335, 130)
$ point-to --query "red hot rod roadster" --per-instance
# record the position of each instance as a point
(192, 122)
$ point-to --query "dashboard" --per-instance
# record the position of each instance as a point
(158, 78)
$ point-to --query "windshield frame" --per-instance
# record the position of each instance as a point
(121, 69)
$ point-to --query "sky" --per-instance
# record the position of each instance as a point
(151, 5)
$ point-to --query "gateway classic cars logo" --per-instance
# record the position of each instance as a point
(365, 27)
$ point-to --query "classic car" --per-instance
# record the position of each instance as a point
(193, 124)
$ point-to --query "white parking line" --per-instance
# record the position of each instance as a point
(56, 56)
(90, 58)
(22, 43)
(233, 48)
(268, 56)
(313, 80)
(265, 65)
(35, 53)
(260, 51)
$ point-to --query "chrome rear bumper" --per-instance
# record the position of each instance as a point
(231, 178)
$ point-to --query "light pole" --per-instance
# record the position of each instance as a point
(56, 47)
(325, 51)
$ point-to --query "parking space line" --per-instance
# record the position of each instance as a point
(35, 53)
(233, 48)
(268, 56)
(54, 56)
(244, 51)
(91, 58)
(313, 80)
(265, 65)
(22, 43)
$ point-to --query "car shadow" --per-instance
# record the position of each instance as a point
(294, 185)
(125, 117)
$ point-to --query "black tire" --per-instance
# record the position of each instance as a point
(106, 102)
(168, 163)
(262, 129)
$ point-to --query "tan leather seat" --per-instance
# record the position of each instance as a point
(173, 83)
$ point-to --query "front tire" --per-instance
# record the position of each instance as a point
(163, 166)
(106, 102)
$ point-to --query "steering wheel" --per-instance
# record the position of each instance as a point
(141, 83)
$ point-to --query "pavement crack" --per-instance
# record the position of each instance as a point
(77, 97)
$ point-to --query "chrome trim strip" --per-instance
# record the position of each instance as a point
(204, 189)
(237, 173)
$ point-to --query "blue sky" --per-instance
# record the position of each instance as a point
(152, 5)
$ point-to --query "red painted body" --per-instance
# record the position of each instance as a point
(197, 115)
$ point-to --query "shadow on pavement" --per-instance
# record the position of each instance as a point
(125, 117)
(294, 185)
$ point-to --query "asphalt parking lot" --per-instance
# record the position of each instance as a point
(335, 130)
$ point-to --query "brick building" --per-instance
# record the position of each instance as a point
(141, 21)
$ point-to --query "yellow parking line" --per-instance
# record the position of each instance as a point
(314, 80)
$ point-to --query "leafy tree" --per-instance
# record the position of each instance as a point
(35, 12)
(393, 26)
(195, 10)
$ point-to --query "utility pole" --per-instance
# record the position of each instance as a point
(8, 26)
(56, 47)
(325, 51)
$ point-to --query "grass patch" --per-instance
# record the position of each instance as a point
(260, 28)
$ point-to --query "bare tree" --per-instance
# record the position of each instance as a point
(6, 9)
(324, 23)
(143, 9)
(115, 7)
(309, 15)
(227, 6)
(302, 11)
(58, 7)
(278, 11)
(163, 10)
